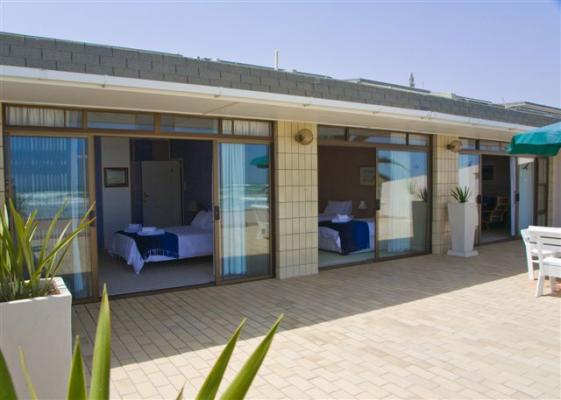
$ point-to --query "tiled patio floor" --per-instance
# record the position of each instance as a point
(425, 327)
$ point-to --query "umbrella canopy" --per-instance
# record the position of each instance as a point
(260, 162)
(545, 141)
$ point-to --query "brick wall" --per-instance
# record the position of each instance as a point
(445, 178)
(296, 202)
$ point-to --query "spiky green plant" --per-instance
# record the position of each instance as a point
(423, 195)
(461, 194)
(24, 271)
(99, 387)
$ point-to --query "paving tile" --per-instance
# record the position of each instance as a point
(431, 327)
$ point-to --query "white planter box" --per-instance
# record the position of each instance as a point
(463, 218)
(42, 328)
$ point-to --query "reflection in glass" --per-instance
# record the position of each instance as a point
(370, 136)
(46, 172)
(331, 133)
(526, 174)
(173, 123)
(469, 175)
(246, 128)
(245, 212)
(113, 120)
(403, 218)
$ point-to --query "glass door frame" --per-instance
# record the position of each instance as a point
(216, 209)
(428, 228)
(396, 147)
(91, 184)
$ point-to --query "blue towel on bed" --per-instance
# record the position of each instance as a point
(354, 235)
(157, 245)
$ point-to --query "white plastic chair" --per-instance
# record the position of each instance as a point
(548, 239)
(531, 251)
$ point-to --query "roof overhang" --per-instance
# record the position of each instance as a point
(39, 86)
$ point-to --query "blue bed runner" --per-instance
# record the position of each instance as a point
(354, 235)
(158, 245)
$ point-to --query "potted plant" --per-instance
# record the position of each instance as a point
(35, 305)
(462, 215)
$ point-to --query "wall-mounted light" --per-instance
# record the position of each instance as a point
(304, 136)
(362, 205)
(454, 146)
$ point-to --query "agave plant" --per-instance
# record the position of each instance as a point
(99, 386)
(24, 271)
(461, 194)
(423, 195)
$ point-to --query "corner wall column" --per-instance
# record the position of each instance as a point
(296, 202)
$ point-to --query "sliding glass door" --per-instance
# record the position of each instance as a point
(244, 210)
(403, 194)
(469, 175)
(44, 174)
(525, 191)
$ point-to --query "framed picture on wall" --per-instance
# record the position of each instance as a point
(115, 177)
(367, 176)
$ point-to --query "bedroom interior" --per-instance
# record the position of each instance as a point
(346, 187)
(164, 184)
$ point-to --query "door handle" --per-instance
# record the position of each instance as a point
(145, 196)
(216, 210)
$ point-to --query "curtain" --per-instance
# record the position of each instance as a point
(31, 116)
(232, 188)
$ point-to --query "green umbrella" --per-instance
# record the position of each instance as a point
(545, 141)
(260, 162)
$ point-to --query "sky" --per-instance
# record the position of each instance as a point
(502, 51)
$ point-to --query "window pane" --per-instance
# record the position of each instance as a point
(489, 145)
(469, 144)
(469, 175)
(418, 140)
(47, 172)
(73, 119)
(172, 123)
(244, 210)
(367, 136)
(402, 189)
(110, 120)
(246, 128)
(331, 133)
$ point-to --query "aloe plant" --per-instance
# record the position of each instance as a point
(25, 272)
(461, 194)
(99, 387)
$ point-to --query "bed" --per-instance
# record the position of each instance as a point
(195, 240)
(330, 239)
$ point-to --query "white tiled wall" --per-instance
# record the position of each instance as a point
(296, 201)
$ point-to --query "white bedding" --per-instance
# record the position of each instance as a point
(192, 242)
(329, 240)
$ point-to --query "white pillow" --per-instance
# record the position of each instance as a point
(339, 207)
(200, 219)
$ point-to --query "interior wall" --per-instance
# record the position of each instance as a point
(116, 201)
(196, 157)
(197, 174)
(339, 177)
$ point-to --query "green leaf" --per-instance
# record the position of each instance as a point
(241, 383)
(180, 394)
(214, 378)
(77, 380)
(28, 382)
(7, 390)
(101, 365)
